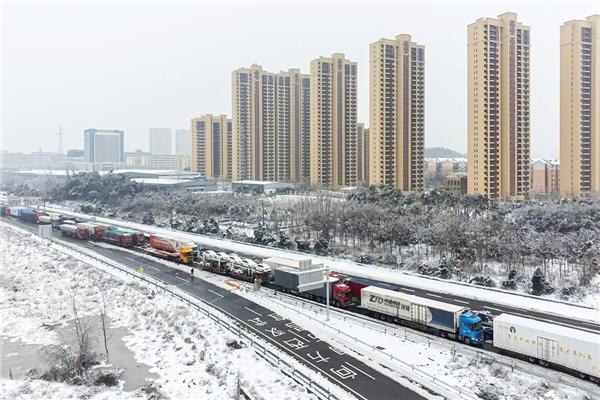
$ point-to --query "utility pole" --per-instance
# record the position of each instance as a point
(327, 291)
(60, 142)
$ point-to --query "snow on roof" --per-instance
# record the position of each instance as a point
(53, 172)
(250, 182)
(160, 181)
(553, 329)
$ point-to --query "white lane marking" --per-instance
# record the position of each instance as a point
(460, 301)
(181, 279)
(435, 295)
(220, 295)
(493, 308)
(131, 259)
(301, 337)
(359, 370)
(407, 289)
(150, 266)
(252, 311)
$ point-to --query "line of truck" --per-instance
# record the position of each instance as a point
(549, 344)
(160, 246)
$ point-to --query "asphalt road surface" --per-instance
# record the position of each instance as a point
(340, 368)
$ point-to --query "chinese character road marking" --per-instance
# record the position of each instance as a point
(275, 332)
(293, 326)
(295, 343)
(276, 317)
(318, 358)
(257, 321)
(344, 372)
(359, 370)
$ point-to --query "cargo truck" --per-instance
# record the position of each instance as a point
(287, 279)
(170, 249)
(117, 238)
(549, 344)
(445, 320)
(94, 231)
(137, 237)
(73, 231)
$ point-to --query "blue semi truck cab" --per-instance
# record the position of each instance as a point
(470, 329)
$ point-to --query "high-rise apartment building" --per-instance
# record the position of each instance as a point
(498, 107)
(362, 153)
(104, 146)
(333, 125)
(212, 146)
(397, 113)
(545, 176)
(580, 107)
(183, 142)
(160, 141)
(270, 124)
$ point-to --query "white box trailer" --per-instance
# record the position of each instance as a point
(434, 314)
(278, 262)
(571, 348)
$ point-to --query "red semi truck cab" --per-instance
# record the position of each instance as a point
(342, 294)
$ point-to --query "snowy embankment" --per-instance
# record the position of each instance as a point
(374, 272)
(188, 352)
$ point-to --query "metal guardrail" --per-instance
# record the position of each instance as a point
(508, 292)
(284, 363)
(390, 361)
(453, 348)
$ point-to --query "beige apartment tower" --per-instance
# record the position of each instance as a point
(270, 124)
(333, 126)
(362, 153)
(212, 146)
(580, 107)
(498, 108)
(397, 113)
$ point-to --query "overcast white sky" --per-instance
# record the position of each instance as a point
(150, 64)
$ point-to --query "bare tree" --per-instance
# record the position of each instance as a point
(103, 318)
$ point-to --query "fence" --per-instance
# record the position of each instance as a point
(453, 348)
(286, 364)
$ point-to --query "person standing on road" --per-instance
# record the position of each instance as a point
(192, 274)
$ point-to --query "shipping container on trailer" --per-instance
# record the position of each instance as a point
(278, 262)
(445, 319)
(288, 279)
(549, 343)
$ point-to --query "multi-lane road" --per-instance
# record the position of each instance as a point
(339, 367)
(479, 304)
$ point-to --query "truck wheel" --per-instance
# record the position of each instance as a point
(594, 379)
(467, 341)
(543, 363)
(582, 375)
(443, 334)
(531, 359)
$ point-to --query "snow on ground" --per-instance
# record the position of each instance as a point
(430, 354)
(375, 272)
(186, 350)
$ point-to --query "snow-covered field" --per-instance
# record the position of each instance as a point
(377, 273)
(187, 351)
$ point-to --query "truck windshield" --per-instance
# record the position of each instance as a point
(475, 327)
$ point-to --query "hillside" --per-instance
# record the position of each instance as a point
(442, 152)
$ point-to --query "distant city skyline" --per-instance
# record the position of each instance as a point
(45, 83)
